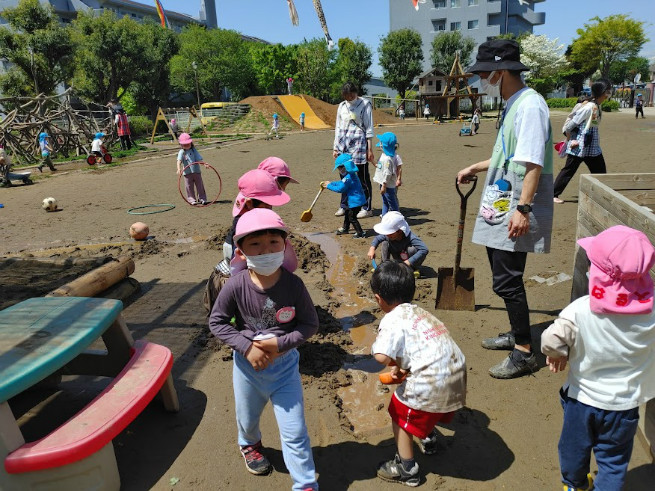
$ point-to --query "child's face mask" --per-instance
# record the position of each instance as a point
(265, 264)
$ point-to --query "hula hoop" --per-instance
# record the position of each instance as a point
(179, 184)
(132, 212)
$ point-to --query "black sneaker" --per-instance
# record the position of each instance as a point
(40, 167)
(393, 471)
(256, 462)
(515, 365)
(430, 446)
(504, 340)
(341, 231)
(357, 235)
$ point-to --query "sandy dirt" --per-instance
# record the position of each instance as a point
(505, 437)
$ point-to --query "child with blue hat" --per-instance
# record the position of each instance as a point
(388, 172)
(352, 187)
(46, 149)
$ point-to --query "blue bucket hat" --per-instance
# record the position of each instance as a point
(100, 134)
(346, 160)
(43, 136)
(388, 143)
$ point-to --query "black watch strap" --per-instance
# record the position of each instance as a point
(524, 208)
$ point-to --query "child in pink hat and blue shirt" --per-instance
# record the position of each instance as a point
(608, 339)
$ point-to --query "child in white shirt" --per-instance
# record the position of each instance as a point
(388, 172)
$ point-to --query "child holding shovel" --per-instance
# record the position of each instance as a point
(350, 185)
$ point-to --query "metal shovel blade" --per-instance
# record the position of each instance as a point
(456, 293)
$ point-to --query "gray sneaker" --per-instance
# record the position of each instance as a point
(430, 445)
(515, 365)
(393, 471)
(504, 340)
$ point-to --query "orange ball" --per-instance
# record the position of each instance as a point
(139, 231)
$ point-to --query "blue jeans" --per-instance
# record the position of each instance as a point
(610, 434)
(280, 383)
(389, 201)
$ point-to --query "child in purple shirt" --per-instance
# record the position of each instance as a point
(274, 314)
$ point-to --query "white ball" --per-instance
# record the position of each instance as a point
(49, 204)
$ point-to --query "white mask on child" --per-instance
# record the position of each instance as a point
(265, 264)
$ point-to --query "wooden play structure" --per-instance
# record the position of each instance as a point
(444, 103)
(606, 200)
(71, 130)
(187, 119)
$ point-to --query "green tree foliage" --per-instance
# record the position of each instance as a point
(606, 41)
(625, 70)
(354, 59)
(223, 61)
(315, 68)
(444, 47)
(272, 65)
(401, 58)
(38, 48)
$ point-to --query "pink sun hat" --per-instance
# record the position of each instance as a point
(258, 184)
(185, 139)
(256, 220)
(276, 167)
(619, 280)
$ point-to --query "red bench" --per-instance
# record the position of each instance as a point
(106, 416)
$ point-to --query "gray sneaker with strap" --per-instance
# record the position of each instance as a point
(256, 462)
(515, 365)
(505, 340)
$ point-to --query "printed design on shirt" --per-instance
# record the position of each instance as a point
(428, 327)
(266, 320)
(285, 314)
(496, 202)
(622, 299)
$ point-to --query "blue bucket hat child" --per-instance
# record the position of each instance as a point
(43, 136)
(345, 160)
(388, 142)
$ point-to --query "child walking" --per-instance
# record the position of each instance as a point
(475, 121)
(422, 350)
(397, 242)
(387, 171)
(608, 338)
(189, 156)
(46, 150)
(352, 188)
(274, 315)
(275, 127)
(301, 119)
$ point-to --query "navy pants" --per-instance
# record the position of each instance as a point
(610, 434)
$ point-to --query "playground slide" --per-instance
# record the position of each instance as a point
(295, 104)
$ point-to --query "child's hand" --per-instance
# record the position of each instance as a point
(179, 171)
(268, 345)
(258, 358)
(399, 183)
(324, 184)
(371, 253)
(398, 373)
(556, 364)
(335, 154)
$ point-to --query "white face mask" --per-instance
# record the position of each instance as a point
(265, 264)
(492, 90)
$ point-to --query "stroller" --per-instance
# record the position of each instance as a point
(6, 176)
(466, 129)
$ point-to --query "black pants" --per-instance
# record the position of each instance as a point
(126, 142)
(639, 110)
(595, 164)
(351, 217)
(365, 179)
(507, 269)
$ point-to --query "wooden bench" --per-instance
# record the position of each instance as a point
(93, 428)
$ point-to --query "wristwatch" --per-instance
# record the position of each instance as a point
(524, 208)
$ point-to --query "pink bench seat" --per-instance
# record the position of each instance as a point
(103, 418)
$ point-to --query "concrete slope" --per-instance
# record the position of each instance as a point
(295, 104)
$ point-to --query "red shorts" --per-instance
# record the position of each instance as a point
(414, 421)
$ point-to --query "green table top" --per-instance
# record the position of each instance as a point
(41, 335)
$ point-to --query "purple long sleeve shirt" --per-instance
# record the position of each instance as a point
(286, 310)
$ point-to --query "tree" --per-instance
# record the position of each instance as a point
(401, 58)
(354, 59)
(606, 41)
(623, 71)
(223, 61)
(315, 64)
(38, 49)
(546, 60)
(444, 47)
(272, 65)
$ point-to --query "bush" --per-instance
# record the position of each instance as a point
(140, 126)
(562, 103)
(610, 105)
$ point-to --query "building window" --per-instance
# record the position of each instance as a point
(439, 24)
(455, 4)
(473, 24)
(473, 3)
(455, 26)
(439, 4)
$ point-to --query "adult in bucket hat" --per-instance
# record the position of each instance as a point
(607, 337)
(516, 208)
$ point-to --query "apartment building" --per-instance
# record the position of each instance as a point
(479, 19)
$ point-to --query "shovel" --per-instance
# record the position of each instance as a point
(455, 286)
(307, 214)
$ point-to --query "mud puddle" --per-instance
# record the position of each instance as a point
(353, 312)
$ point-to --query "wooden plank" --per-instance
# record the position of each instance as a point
(618, 182)
(642, 197)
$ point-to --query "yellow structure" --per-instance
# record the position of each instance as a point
(296, 104)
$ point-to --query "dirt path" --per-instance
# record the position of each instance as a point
(507, 435)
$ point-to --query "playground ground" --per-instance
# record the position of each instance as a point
(505, 438)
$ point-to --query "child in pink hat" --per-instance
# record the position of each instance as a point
(188, 164)
(608, 340)
(279, 169)
(274, 315)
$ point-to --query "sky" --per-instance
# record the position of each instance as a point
(368, 20)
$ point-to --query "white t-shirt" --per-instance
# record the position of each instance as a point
(418, 341)
(96, 145)
(531, 129)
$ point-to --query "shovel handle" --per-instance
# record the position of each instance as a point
(316, 199)
(462, 218)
